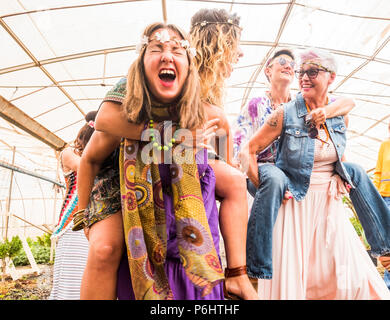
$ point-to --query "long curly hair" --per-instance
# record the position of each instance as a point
(139, 100)
(215, 34)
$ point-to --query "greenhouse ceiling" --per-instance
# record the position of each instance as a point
(58, 59)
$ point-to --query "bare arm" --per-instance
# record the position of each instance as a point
(110, 119)
(340, 107)
(224, 139)
(70, 160)
(99, 147)
(263, 137)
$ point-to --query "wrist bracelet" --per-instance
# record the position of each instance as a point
(79, 221)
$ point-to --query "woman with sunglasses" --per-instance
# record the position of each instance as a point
(316, 249)
(272, 189)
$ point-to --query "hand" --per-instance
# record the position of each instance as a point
(243, 159)
(235, 164)
(208, 133)
(318, 116)
(200, 138)
(287, 196)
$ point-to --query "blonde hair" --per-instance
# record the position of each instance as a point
(214, 34)
(138, 102)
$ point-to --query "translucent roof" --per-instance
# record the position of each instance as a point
(58, 59)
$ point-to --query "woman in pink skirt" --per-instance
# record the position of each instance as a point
(317, 253)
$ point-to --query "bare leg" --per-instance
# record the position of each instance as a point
(233, 220)
(106, 243)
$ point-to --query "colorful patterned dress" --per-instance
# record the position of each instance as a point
(69, 206)
(186, 248)
(250, 119)
(71, 250)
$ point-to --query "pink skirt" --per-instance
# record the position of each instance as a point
(317, 254)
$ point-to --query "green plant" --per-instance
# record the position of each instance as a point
(9, 249)
(41, 254)
(40, 249)
(44, 240)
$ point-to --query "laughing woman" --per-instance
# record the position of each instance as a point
(170, 217)
(224, 28)
(316, 252)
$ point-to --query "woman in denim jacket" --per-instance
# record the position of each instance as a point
(268, 196)
(316, 252)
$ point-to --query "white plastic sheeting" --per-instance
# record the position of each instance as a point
(58, 59)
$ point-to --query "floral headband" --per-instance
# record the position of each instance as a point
(205, 23)
(91, 124)
(163, 37)
(316, 64)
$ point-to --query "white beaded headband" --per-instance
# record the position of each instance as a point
(164, 36)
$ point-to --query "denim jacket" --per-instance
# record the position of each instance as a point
(295, 154)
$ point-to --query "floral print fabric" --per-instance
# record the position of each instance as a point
(250, 119)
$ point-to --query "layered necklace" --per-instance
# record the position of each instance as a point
(167, 115)
(272, 100)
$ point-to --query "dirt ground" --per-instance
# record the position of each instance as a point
(30, 286)
(38, 287)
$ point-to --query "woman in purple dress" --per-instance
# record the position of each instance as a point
(170, 218)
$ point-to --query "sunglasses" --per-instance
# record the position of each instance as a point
(312, 73)
(313, 131)
(282, 61)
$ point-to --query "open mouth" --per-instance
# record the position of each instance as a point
(167, 75)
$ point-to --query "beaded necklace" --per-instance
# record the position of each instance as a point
(156, 145)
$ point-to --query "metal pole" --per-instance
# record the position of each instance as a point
(30, 173)
(7, 210)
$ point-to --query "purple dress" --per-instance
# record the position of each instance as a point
(182, 287)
